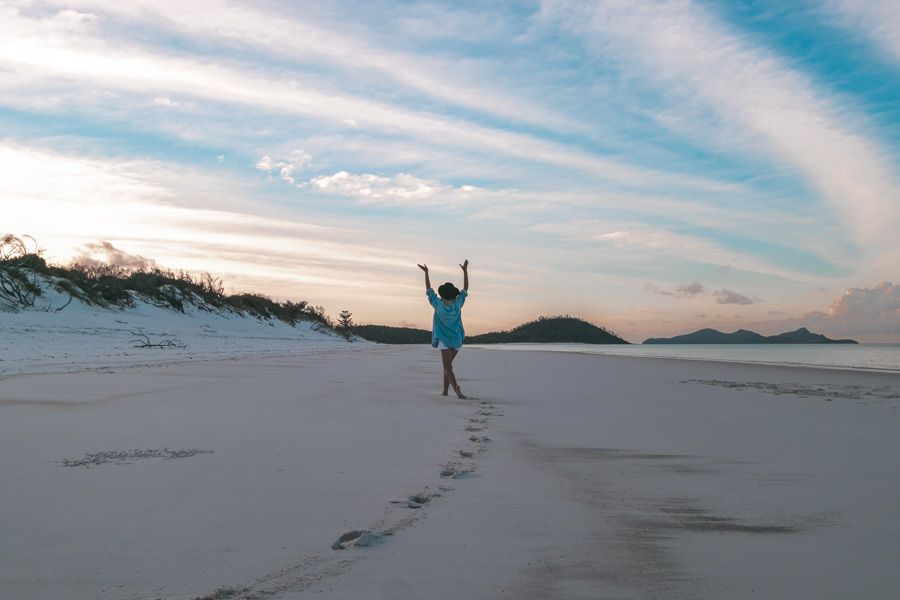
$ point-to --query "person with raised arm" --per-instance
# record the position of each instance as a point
(447, 333)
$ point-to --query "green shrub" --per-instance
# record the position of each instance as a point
(109, 285)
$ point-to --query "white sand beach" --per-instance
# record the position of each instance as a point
(603, 477)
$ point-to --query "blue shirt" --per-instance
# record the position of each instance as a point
(447, 325)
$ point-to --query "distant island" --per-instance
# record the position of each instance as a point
(743, 336)
(543, 330)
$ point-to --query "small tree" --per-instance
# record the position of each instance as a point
(19, 264)
(345, 324)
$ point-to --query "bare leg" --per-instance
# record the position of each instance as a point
(447, 381)
(447, 357)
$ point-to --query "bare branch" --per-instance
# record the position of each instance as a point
(142, 340)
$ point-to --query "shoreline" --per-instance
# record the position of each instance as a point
(508, 347)
(570, 477)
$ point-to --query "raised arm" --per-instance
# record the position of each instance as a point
(465, 268)
(427, 279)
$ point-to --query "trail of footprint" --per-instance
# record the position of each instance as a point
(311, 570)
(476, 424)
(453, 469)
(416, 500)
(356, 537)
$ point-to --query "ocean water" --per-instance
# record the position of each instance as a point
(875, 357)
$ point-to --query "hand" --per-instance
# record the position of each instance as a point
(424, 268)
(465, 265)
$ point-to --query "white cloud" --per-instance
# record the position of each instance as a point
(285, 167)
(862, 311)
(163, 101)
(401, 188)
(879, 301)
(869, 314)
(76, 17)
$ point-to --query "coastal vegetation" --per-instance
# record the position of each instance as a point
(25, 277)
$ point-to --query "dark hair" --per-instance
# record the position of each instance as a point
(448, 291)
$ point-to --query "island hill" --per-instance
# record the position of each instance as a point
(543, 330)
(742, 336)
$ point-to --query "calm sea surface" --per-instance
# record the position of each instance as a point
(877, 357)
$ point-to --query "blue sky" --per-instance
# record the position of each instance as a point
(656, 167)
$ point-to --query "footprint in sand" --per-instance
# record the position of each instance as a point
(466, 453)
(415, 500)
(357, 537)
(454, 470)
(479, 439)
(474, 428)
(224, 593)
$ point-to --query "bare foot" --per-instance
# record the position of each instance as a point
(460, 395)
(444, 393)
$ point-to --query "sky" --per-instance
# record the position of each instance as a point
(654, 167)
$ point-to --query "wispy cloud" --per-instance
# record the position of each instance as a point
(313, 40)
(655, 289)
(766, 105)
(38, 60)
(878, 20)
(682, 290)
(104, 253)
(730, 297)
(689, 290)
